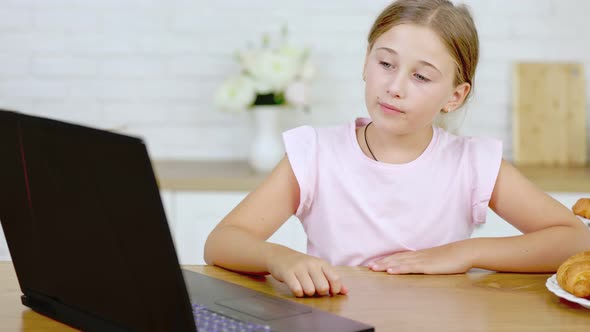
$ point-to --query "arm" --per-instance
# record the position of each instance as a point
(238, 242)
(552, 233)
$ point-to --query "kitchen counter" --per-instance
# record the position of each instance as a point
(238, 176)
(206, 175)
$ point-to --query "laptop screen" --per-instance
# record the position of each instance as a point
(85, 225)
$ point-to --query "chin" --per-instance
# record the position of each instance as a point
(385, 123)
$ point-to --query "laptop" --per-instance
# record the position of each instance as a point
(91, 247)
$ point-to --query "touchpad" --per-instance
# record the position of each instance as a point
(263, 308)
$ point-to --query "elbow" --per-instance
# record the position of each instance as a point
(207, 257)
(586, 239)
(583, 236)
(209, 252)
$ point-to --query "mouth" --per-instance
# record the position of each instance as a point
(390, 109)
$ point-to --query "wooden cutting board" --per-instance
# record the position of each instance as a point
(549, 117)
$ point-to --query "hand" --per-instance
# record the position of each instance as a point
(448, 259)
(305, 275)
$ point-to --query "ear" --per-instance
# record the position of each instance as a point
(458, 97)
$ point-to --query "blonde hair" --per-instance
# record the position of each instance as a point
(453, 24)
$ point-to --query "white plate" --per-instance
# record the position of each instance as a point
(584, 220)
(553, 287)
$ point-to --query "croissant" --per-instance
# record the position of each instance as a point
(574, 275)
(582, 208)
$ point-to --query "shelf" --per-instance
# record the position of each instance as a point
(238, 176)
(206, 175)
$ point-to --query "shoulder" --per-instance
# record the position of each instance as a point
(469, 144)
(323, 133)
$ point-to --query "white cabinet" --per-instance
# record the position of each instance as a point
(496, 226)
(195, 214)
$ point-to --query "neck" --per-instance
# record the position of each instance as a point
(396, 148)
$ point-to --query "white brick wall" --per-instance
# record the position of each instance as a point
(150, 67)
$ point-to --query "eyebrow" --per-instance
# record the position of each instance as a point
(422, 62)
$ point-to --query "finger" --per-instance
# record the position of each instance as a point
(306, 283)
(293, 283)
(405, 268)
(343, 290)
(336, 286)
(412, 262)
(320, 281)
(382, 264)
(378, 266)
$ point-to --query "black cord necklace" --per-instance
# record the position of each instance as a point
(367, 143)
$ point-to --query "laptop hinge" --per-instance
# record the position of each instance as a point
(73, 317)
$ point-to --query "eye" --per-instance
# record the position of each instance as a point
(385, 64)
(421, 78)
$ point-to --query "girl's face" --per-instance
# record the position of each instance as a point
(409, 78)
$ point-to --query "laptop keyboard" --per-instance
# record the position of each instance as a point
(211, 321)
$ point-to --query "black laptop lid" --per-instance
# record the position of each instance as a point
(85, 226)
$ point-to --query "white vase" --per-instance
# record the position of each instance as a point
(267, 146)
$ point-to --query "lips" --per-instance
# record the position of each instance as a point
(390, 109)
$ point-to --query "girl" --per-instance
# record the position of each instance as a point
(395, 192)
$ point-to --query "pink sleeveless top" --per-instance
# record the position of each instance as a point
(355, 210)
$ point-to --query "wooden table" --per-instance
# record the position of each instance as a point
(476, 301)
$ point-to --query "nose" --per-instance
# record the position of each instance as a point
(396, 87)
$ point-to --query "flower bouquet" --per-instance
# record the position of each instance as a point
(273, 74)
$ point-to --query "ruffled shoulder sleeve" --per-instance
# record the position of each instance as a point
(485, 156)
(301, 148)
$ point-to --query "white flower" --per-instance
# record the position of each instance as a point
(272, 74)
(296, 94)
(236, 93)
(248, 59)
(308, 71)
(273, 71)
(298, 54)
